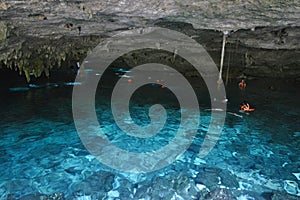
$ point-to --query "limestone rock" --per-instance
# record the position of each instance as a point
(3, 31)
(263, 35)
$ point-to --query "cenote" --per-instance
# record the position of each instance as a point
(256, 156)
(67, 133)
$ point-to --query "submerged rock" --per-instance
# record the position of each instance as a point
(34, 197)
(170, 186)
(210, 177)
(284, 196)
(290, 187)
(228, 179)
(297, 175)
(38, 196)
(98, 184)
(245, 197)
(221, 194)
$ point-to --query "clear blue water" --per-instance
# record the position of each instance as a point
(41, 153)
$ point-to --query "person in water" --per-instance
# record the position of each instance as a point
(242, 84)
(245, 107)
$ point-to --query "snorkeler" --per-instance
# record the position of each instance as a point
(245, 107)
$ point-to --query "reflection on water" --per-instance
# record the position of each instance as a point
(256, 157)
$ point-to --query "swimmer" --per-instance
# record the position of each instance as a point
(242, 84)
(245, 107)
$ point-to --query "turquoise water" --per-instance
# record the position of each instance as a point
(255, 157)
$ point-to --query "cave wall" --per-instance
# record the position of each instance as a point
(263, 41)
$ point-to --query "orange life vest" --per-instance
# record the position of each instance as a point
(246, 107)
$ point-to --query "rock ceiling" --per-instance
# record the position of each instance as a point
(38, 27)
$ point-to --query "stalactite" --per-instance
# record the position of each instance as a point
(27, 74)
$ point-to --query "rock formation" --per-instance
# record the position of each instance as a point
(38, 35)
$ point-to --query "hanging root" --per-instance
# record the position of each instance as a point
(228, 68)
(220, 81)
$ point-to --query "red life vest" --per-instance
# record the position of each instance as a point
(242, 84)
